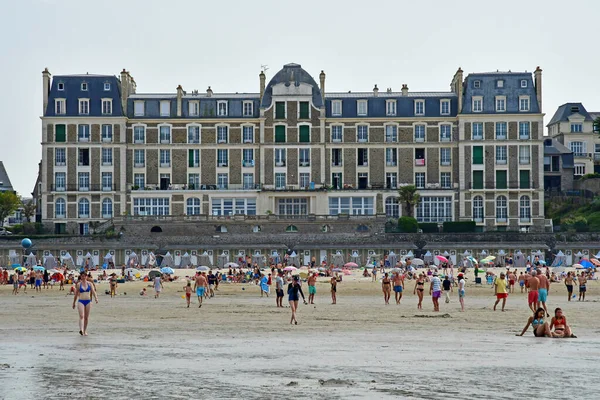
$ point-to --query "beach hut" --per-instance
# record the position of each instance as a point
(150, 260)
(578, 257)
(186, 261)
(31, 260)
(67, 259)
(501, 260)
(258, 259)
(167, 261)
(222, 260)
(560, 260)
(275, 257)
(205, 259)
(108, 259)
(338, 259)
(49, 261)
(466, 259)
(392, 259)
(483, 254)
(132, 260)
(519, 260)
(293, 259)
(428, 258)
(409, 255)
(355, 258)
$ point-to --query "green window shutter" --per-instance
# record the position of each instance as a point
(524, 179)
(280, 110)
(477, 154)
(304, 134)
(280, 134)
(190, 158)
(500, 179)
(304, 110)
(477, 179)
(61, 133)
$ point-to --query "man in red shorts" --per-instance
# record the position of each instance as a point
(533, 284)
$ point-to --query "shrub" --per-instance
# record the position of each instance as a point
(429, 227)
(593, 222)
(576, 224)
(459, 226)
(407, 225)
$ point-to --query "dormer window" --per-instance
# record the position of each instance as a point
(138, 108)
(84, 106)
(390, 107)
(419, 107)
(445, 107)
(84, 86)
(60, 107)
(165, 108)
(523, 103)
(336, 107)
(477, 84)
(222, 108)
(361, 106)
(500, 83)
(194, 108)
(575, 109)
(61, 86)
(500, 103)
(106, 106)
(523, 83)
(106, 86)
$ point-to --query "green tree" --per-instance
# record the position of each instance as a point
(410, 197)
(9, 203)
(29, 209)
(597, 125)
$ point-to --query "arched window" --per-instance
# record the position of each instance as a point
(525, 209)
(291, 228)
(193, 206)
(501, 209)
(325, 228)
(392, 207)
(60, 208)
(156, 229)
(222, 228)
(107, 208)
(362, 228)
(478, 211)
(84, 208)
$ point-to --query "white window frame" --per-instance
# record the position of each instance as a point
(84, 86)
(416, 107)
(481, 134)
(420, 140)
(579, 169)
(139, 162)
(199, 133)
(445, 161)
(501, 205)
(477, 84)
(448, 138)
(449, 176)
(88, 137)
(417, 184)
(165, 112)
(391, 157)
(195, 158)
(81, 202)
(160, 139)
(194, 108)
(496, 131)
(524, 209)
(581, 147)
(133, 134)
(442, 103)
(107, 107)
(524, 100)
(500, 103)
(62, 108)
(60, 86)
(222, 162)
(106, 178)
(393, 136)
(139, 180)
(222, 108)
(107, 213)
(504, 152)
(579, 128)
(477, 100)
(244, 138)
(245, 105)
(341, 133)
(62, 203)
(139, 108)
(60, 177)
(392, 178)
(524, 155)
(280, 157)
(528, 124)
(164, 162)
(390, 108)
(359, 133)
(478, 209)
(302, 160)
(106, 86)
(500, 83)
(84, 106)
(362, 108)
(336, 108)
(248, 158)
(222, 141)
(280, 180)
(106, 138)
(523, 83)
(63, 152)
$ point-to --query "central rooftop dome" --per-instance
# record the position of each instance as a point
(292, 74)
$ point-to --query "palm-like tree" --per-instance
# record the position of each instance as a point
(410, 197)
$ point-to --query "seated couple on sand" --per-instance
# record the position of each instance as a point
(542, 328)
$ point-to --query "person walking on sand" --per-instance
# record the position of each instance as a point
(543, 292)
(522, 282)
(533, 284)
(582, 280)
(279, 289)
(435, 290)
(419, 290)
(398, 280)
(333, 282)
(83, 299)
(312, 288)
(200, 287)
(500, 290)
(461, 291)
(447, 285)
(293, 289)
(157, 286)
(386, 288)
(188, 293)
(211, 284)
(374, 274)
(113, 285)
(511, 282)
(569, 281)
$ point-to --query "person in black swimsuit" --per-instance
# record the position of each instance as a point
(386, 287)
(333, 290)
(419, 288)
(293, 289)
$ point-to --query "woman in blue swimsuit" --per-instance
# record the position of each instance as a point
(540, 327)
(83, 299)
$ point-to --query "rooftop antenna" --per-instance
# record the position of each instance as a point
(264, 67)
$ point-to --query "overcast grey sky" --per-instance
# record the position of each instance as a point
(223, 44)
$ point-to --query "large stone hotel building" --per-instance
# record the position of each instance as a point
(293, 149)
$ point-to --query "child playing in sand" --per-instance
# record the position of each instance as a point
(188, 293)
(143, 292)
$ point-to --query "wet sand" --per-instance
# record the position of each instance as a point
(238, 345)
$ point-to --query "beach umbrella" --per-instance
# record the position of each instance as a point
(231, 265)
(57, 276)
(287, 269)
(167, 270)
(337, 270)
(39, 268)
(20, 269)
(595, 262)
(585, 263)
(351, 265)
(417, 261)
(442, 258)
(542, 262)
(578, 266)
(203, 268)
(134, 272)
(153, 274)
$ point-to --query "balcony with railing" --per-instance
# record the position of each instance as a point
(248, 163)
(503, 185)
(596, 156)
(83, 188)
(200, 187)
(580, 155)
(420, 162)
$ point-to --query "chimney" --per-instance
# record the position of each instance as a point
(262, 78)
(404, 89)
(538, 86)
(209, 92)
(375, 91)
(322, 80)
(457, 87)
(179, 99)
(124, 90)
(46, 87)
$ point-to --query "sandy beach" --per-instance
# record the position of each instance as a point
(238, 345)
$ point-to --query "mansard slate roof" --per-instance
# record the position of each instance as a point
(292, 74)
(563, 113)
(488, 90)
(6, 184)
(72, 93)
(405, 105)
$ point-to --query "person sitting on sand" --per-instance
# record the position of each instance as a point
(143, 292)
(561, 328)
(540, 327)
